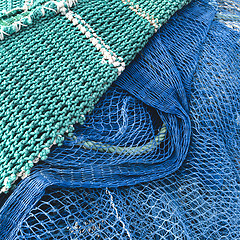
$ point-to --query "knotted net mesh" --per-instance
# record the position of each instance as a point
(145, 137)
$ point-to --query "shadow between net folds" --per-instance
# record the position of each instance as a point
(189, 203)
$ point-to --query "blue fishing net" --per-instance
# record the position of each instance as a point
(117, 178)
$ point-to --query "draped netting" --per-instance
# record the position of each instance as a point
(143, 121)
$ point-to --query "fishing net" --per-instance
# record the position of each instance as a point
(104, 183)
(6, 5)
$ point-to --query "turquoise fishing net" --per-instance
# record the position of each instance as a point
(198, 57)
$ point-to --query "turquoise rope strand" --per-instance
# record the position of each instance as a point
(139, 150)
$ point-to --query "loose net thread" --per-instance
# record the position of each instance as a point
(200, 200)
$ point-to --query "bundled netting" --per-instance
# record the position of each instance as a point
(57, 59)
(140, 128)
(6, 5)
(228, 14)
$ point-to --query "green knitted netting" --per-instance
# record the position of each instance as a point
(56, 61)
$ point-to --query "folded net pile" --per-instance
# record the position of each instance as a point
(57, 59)
(139, 131)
